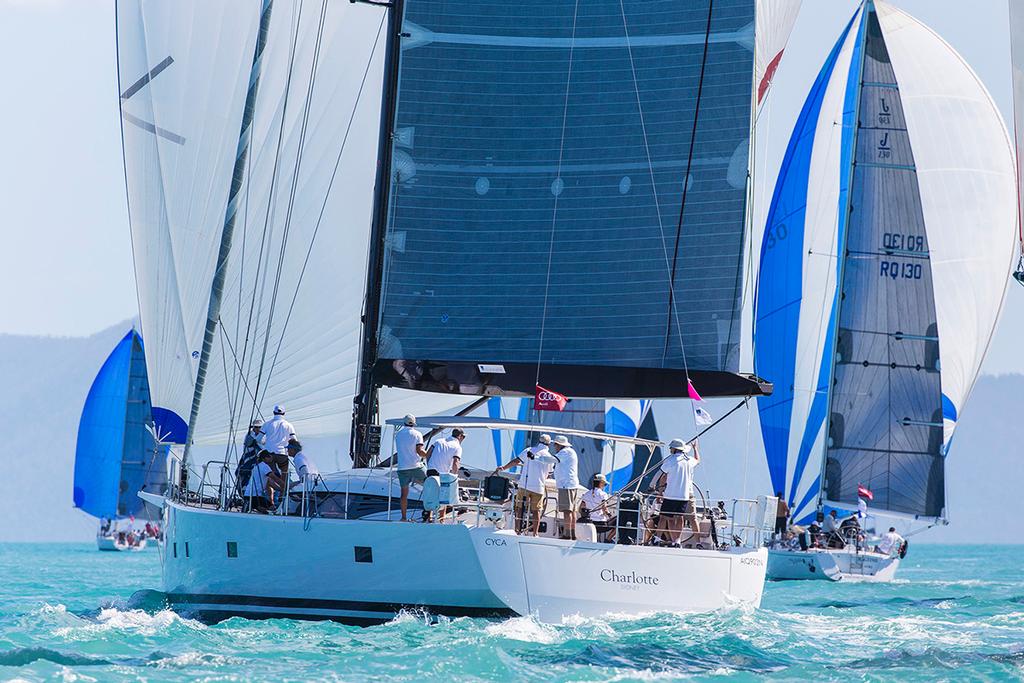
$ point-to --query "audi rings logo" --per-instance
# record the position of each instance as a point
(547, 396)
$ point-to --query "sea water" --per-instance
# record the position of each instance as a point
(955, 613)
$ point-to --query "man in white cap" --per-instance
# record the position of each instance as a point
(593, 504)
(274, 437)
(411, 454)
(536, 461)
(677, 477)
(568, 482)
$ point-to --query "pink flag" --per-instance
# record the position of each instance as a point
(691, 391)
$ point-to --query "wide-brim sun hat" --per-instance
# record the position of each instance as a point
(679, 445)
(544, 438)
(561, 440)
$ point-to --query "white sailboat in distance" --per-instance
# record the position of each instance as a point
(886, 257)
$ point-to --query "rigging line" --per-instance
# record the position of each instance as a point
(268, 218)
(561, 186)
(327, 194)
(303, 129)
(234, 357)
(686, 184)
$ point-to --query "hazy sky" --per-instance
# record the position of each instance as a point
(67, 268)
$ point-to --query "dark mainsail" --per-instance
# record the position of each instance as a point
(885, 427)
(540, 159)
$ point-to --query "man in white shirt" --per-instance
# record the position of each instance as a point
(443, 459)
(274, 437)
(891, 543)
(677, 478)
(304, 465)
(833, 539)
(445, 455)
(263, 484)
(536, 470)
(411, 454)
(594, 503)
(568, 483)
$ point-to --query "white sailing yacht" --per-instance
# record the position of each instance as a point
(884, 266)
(560, 200)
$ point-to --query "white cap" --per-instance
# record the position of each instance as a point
(279, 409)
(544, 438)
(409, 420)
(679, 445)
(561, 440)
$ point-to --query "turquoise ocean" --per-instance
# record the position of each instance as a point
(956, 613)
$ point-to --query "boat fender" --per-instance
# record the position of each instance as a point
(431, 495)
(449, 494)
(585, 531)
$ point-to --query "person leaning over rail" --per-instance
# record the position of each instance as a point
(411, 454)
(677, 477)
(530, 495)
(443, 460)
(305, 468)
(274, 437)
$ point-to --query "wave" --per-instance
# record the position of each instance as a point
(23, 656)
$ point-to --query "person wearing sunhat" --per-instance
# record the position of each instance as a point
(411, 457)
(274, 437)
(677, 477)
(568, 482)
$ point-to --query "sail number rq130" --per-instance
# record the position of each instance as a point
(906, 244)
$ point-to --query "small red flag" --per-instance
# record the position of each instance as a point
(545, 399)
(865, 492)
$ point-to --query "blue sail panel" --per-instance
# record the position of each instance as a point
(101, 433)
(780, 282)
(541, 153)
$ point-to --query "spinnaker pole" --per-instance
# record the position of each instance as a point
(227, 232)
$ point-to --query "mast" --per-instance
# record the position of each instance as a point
(227, 233)
(364, 406)
(867, 7)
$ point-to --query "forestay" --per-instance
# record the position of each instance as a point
(569, 191)
(875, 377)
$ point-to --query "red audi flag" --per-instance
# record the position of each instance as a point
(865, 492)
(545, 399)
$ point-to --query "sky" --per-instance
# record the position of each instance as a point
(62, 201)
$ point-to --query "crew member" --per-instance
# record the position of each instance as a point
(443, 459)
(305, 468)
(411, 454)
(833, 539)
(568, 483)
(263, 484)
(250, 454)
(891, 543)
(594, 505)
(781, 515)
(274, 437)
(536, 470)
(677, 475)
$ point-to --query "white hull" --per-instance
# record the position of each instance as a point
(109, 543)
(308, 568)
(831, 565)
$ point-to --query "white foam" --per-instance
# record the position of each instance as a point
(526, 629)
(189, 659)
(136, 620)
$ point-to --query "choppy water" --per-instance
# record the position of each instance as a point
(957, 613)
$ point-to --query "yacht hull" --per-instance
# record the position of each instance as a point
(110, 544)
(223, 564)
(830, 565)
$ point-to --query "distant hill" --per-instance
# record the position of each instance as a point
(46, 379)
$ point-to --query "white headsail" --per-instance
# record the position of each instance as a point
(289, 315)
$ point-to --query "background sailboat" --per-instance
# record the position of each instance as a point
(883, 270)
(116, 455)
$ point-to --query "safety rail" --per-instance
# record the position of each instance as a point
(745, 525)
